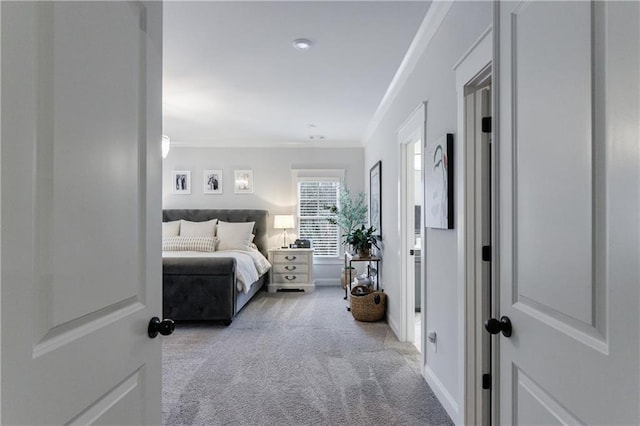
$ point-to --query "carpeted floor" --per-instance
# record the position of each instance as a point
(294, 359)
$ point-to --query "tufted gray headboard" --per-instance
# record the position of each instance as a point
(227, 215)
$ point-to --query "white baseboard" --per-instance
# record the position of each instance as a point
(394, 326)
(327, 282)
(446, 399)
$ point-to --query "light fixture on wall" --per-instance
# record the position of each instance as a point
(166, 146)
(284, 222)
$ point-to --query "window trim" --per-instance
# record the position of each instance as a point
(317, 175)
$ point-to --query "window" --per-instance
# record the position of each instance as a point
(313, 198)
(316, 190)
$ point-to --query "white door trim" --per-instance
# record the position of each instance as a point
(412, 130)
(473, 64)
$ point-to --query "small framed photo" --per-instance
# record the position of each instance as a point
(181, 182)
(212, 181)
(243, 181)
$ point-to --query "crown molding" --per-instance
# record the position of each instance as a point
(430, 24)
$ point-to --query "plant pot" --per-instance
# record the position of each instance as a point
(365, 251)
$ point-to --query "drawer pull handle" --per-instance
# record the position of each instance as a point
(290, 268)
(290, 278)
(290, 257)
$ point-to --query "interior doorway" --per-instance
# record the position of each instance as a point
(414, 202)
(475, 197)
(479, 144)
(411, 141)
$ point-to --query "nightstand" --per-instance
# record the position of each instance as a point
(292, 269)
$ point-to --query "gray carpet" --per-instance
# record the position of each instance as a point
(294, 359)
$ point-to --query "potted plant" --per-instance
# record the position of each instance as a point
(361, 239)
(349, 214)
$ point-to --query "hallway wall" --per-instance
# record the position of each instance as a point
(432, 80)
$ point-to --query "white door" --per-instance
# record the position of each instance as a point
(569, 212)
(80, 194)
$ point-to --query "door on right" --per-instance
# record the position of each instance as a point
(568, 212)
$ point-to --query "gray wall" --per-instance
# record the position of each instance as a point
(273, 187)
(432, 80)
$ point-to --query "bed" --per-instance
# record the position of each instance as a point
(208, 285)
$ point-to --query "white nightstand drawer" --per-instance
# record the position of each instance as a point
(289, 258)
(291, 278)
(290, 269)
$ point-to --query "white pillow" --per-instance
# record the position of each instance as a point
(207, 244)
(235, 236)
(198, 229)
(171, 229)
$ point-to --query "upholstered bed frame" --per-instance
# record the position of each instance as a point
(204, 289)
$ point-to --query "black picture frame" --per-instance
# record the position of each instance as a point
(375, 197)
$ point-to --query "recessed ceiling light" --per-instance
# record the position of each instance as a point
(302, 43)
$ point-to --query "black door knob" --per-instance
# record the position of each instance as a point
(495, 326)
(164, 327)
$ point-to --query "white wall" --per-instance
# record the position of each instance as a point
(273, 188)
(432, 80)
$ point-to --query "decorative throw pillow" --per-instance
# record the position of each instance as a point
(171, 229)
(198, 229)
(207, 244)
(235, 235)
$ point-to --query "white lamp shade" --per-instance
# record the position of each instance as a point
(283, 221)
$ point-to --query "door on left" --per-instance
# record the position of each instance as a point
(80, 212)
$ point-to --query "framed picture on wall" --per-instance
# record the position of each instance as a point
(181, 182)
(438, 185)
(243, 181)
(375, 197)
(212, 181)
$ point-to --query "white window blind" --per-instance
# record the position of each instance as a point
(313, 198)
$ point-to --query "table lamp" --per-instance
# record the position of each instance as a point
(284, 222)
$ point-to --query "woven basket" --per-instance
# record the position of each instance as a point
(344, 280)
(367, 305)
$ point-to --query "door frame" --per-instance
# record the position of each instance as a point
(411, 131)
(474, 67)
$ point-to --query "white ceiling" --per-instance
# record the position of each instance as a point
(233, 78)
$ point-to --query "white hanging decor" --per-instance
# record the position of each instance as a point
(166, 146)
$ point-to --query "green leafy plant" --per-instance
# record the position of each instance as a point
(361, 239)
(350, 213)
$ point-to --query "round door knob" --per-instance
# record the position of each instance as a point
(495, 326)
(164, 327)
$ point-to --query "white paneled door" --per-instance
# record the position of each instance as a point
(569, 212)
(81, 203)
